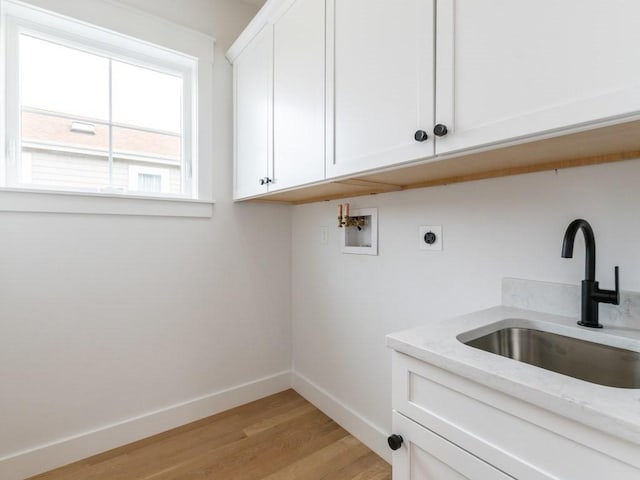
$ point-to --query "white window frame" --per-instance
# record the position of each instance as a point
(75, 31)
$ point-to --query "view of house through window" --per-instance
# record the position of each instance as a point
(89, 121)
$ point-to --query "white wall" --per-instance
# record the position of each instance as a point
(344, 305)
(105, 318)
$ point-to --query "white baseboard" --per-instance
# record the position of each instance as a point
(371, 435)
(68, 450)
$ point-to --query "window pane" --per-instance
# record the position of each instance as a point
(141, 151)
(89, 121)
(44, 127)
(146, 177)
(62, 79)
(146, 98)
(60, 152)
(149, 183)
(131, 141)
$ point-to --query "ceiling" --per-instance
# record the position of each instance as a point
(256, 3)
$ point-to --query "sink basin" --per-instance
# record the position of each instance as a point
(589, 361)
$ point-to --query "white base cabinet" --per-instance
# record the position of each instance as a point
(427, 456)
(456, 428)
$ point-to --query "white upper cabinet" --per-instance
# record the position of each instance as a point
(380, 83)
(299, 95)
(508, 69)
(330, 90)
(253, 98)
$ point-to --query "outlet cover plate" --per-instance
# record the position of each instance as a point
(324, 235)
(437, 230)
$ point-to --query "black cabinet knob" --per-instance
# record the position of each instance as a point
(265, 181)
(395, 442)
(421, 136)
(440, 130)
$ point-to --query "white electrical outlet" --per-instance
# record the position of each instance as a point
(430, 237)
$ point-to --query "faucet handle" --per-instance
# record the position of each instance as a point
(608, 296)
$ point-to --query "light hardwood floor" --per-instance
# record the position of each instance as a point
(281, 437)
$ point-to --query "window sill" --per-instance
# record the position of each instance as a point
(47, 201)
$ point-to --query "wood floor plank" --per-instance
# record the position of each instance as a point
(263, 453)
(272, 421)
(281, 437)
(253, 411)
(324, 462)
(362, 468)
(375, 472)
(134, 461)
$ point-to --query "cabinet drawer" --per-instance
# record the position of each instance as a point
(518, 438)
(425, 455)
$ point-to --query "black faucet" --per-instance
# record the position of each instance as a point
(591, 293)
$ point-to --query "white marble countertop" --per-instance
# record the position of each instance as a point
(612, 410)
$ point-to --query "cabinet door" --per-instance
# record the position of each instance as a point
(253, 97)
(427, 456)
(380, 83)
(299, 96)
(512, 69)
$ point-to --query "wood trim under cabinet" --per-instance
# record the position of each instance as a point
(605, 144)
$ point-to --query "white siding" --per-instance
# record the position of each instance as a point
(87, 171)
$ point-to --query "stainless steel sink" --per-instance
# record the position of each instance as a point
(592, 362)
